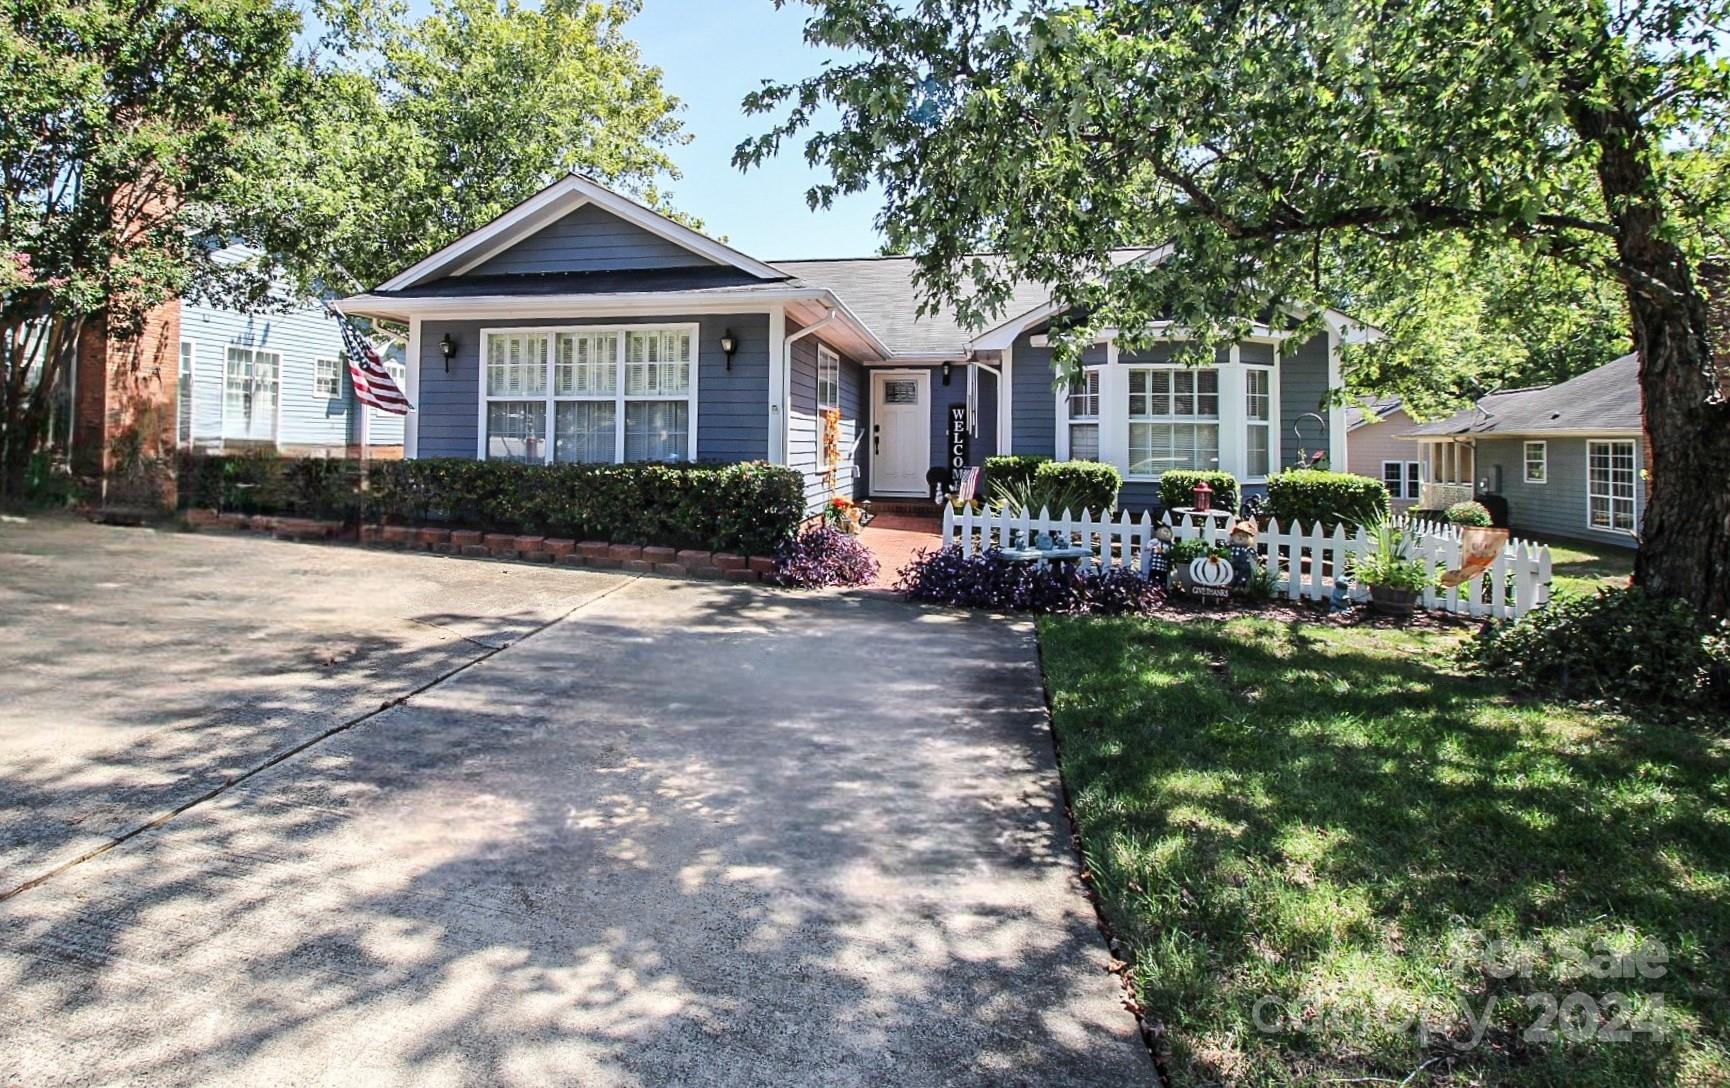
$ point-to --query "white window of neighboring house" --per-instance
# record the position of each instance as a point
(250, 379)
(612, 393)
(185, 392)
(1610, 479)
(1403, 479)
(1258, 421)
(326, 379)
(1083, 402)
(828, 379)
(1537, 458)
(1173, 420)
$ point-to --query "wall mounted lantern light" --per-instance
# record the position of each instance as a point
(946, 368)
(728, 347)
(449, 348)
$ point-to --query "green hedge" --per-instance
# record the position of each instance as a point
(1306, 496)
(1177, 488)
(1012, 471)
(1093, 485)
(747, 508)
(263, 482)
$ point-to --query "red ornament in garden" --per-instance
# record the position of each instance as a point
(1203, 496)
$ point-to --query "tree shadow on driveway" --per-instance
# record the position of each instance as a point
(700, 835)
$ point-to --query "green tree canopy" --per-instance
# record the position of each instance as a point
(1465, 320)
(1264, 140)
(422, 129)
(124, 125)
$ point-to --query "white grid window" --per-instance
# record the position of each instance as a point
(1610, 478)
(184, 393)
(1084, 416)
(828, 378)
(1537, 461)
(326, 378)
(610, 394)
(1258, 421)
(516, 365)
(1173, 420)
(1402, 478)
(249, 392)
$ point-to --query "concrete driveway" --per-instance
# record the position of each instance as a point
(685, 834)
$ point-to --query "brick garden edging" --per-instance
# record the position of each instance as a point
(474, 544)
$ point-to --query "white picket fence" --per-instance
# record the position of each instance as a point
(1302, 563)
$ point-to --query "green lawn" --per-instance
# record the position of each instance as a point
(1584, 568)
(1329, 818)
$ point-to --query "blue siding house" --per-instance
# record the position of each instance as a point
(583, 326)
(274, 381)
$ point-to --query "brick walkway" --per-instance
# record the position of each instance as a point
(896, 540)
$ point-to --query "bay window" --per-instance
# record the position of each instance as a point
(612, 394)
(1083, 411)
(1173, 419)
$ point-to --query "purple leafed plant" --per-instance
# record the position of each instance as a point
(824, 557)
(988, 580)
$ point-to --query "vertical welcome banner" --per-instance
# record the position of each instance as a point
(958, 444)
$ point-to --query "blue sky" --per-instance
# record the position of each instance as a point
(712, 53)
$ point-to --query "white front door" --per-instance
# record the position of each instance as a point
(900, 431)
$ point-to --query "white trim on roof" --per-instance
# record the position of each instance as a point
(459, 307)
(1349, 329)
(554, 202)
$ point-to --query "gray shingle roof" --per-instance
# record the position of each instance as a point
(1604, 399)
(879, 290)
(1377, 407)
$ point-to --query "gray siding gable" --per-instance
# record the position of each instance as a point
(588, 240)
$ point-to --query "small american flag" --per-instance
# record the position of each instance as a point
(372, 382)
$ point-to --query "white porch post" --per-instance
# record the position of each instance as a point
(1006, 403)
(1233, 415)
(777, 384)
(1114, 411)
(1336, 405)
(411, 374)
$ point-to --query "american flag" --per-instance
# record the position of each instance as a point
(372, 382)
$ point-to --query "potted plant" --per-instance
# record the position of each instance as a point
(1394, 578)
(844, 514)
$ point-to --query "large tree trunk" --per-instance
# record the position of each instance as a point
(1685, 531)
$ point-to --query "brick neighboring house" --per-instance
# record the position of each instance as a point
(209, 378)
(123, 393)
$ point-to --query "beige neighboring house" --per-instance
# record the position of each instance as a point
(1376, 446)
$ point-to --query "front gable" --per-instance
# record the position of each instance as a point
(577, 225)
(588, 240)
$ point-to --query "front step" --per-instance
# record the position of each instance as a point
(907, 508)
